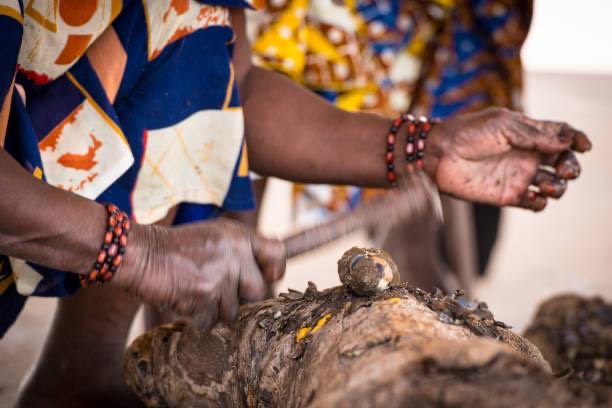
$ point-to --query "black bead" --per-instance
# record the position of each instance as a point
(389, 147)
(115, 240)
(105, 247)
(122, 250)
(410, 139)
(110, 228)
(423, 135)
(393, 129)
(410, 158)
(113, 268)
(390, 167)
(420, 155)
(97, 265)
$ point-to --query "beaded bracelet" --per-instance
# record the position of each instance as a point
(416, 136)
(113, 247)
(390, 152)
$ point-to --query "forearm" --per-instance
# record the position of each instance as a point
(44, 224)
(295, 134)
(304, 138)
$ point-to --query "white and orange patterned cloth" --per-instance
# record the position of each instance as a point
(174, 136)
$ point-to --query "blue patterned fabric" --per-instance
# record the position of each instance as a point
(172, 137)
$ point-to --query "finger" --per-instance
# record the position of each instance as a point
(567, 166)
(251, 285)
(271, 257)
(533, 201)
(204, 319)
(543, 136)
(553, 137)
(581, 142)
(549, 185)
(229, 304)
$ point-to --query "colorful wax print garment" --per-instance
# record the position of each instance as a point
(431, 57)
(172, 137)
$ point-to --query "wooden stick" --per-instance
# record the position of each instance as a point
(416, 197)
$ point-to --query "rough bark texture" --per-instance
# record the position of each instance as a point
(332, 348)
(393, 347)
(575, 335)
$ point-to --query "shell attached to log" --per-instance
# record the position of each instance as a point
(367, 271)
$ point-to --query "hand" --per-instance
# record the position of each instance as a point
(200, 270)
(500, 157)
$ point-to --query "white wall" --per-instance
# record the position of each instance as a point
(570, 36)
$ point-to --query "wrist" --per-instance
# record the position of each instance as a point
(435, 147)
(136, 257)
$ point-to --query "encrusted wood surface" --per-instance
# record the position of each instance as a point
(574, 333)
(402, 347)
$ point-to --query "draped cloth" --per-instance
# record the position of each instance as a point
(174, 136)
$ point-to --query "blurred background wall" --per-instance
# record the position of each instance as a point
(569, 36)
(568, 58)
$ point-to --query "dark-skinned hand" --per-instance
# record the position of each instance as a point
(504, 158)
(202, 271)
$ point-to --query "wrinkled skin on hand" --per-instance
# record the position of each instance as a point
(203, 270)
(503, 158)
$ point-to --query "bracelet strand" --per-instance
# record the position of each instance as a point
(416, 138)
(112, 250)
(390, 148)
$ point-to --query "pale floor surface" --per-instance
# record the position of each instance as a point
(566, 248)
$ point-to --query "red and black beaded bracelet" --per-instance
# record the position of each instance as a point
(113, 247)
(390, 151)
(416, 137)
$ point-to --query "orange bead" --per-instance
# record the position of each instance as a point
(108, 237)
(117, 261)
(101, 256)
(391, 176)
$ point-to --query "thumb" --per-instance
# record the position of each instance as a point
(544, 136)
(271, 255)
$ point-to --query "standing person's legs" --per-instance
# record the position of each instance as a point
(486, 221)
(414, 246)
(82, 360)
(429, 255)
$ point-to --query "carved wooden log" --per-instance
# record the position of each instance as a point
(394, 348)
